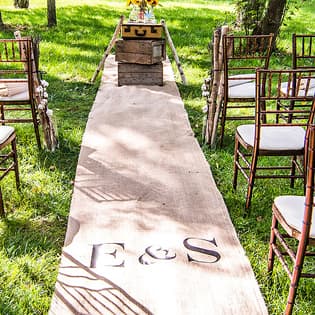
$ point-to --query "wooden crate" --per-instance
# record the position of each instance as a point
(136, 74)
(147, 51)
(141, 30)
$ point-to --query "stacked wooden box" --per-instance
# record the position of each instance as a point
(139, 54)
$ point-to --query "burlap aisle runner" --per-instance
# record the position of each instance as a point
(148, 230)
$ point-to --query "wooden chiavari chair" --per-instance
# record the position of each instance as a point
(279, 129)
(17, 95)
(293, 218)
(241, 56)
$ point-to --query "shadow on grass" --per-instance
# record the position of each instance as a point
(22, 237)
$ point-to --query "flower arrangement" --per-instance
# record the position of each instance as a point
(142, 10)
(143, 3)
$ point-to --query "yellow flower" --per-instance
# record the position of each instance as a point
(133, 2)
(152, 3)
(143, 3)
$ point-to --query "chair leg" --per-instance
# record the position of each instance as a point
(251, 180)
(2, 112)
(2, 213)
(16, 165)
(223, 119)
(296, 274)
(293, 171)
(271, 256)
(35, 123)
(289, 307)
(37, 135)
(236, 161)
(292, 291)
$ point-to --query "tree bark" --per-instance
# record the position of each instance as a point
(1, 21)
(23, 4)
(51, 13)
(272, 20)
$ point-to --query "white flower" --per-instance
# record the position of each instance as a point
(205, 109)
(205, 93)
(44, 83)
(49, 112)
(207, 80)
(204, 87)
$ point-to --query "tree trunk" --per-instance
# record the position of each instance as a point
(272, 20)
(1, 21)
(51, 13)
(23, 4)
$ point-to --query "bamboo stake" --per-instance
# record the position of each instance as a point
(224, 31)
(216, 73)
(171, 44)
(108, 49)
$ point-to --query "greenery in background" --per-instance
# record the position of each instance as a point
(32, 234)
(249, 12)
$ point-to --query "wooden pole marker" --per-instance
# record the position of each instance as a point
(171, 44)
(108, 49)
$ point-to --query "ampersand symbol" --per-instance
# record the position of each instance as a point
(155, 253)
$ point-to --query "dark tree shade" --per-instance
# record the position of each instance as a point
(51, 13)
(1, 21)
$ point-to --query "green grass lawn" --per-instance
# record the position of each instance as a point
(32, 234)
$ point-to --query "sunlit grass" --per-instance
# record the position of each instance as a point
(32, 235)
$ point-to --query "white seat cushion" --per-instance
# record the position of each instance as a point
(292, 211)
(302, 88)
(5, 133)
(274, 138)
(17, 91)
(239, 79)
(245, 90)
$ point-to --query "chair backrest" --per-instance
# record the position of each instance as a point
(16, 61)
(242, 54)
(303, 51)
(285, 97)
